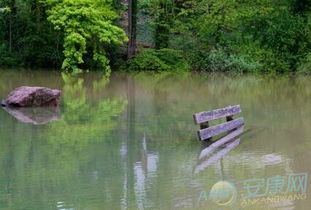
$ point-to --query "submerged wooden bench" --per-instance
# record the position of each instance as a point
(206, 132)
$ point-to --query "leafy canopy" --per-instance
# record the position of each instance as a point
(88, 28)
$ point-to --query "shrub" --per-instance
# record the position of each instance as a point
(305, 67)
(269, 60)
(220, 61)
(157, 60)
(7, 59)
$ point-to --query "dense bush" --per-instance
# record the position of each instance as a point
(259, 35)
(157, 60)
(221, 61)
(7, 59)
(305, 67)
(267, 58)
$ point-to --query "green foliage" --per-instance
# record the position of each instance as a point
(261, 36)
(26, 37)
(282, 34)
(6, 58)
(220, 61)
(162, 17)
(157, 60)
(5, 10)
(86, 24)
(214, 35)
(305, 67)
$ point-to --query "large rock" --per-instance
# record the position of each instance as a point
(26, 96)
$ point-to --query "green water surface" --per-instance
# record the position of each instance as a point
(129, 142)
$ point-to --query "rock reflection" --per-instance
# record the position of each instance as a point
(36, 116)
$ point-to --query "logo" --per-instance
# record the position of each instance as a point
(256, 191)
(223, 193)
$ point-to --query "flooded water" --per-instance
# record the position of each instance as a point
(129, 142)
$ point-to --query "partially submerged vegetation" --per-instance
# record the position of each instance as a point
(207, 35)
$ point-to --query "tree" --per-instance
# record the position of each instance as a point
(9, 8)
(162, 13)
(27, 38)
(88, 28)
(132, 23)
(163, 22)
(11, 16)
(242, 32)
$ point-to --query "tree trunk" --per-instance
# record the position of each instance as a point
(11, 16)
(10, 33)
(132, 22)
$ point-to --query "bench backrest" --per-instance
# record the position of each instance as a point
(202, 119)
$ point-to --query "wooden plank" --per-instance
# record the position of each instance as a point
(218, 129)
(202, 117)
(211, 148)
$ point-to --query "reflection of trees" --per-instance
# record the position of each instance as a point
(83, 122)
(44, 165)
(87, 160)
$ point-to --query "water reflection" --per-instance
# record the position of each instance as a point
(227, 147)
(144, 170)
(82, 121)
(46, 162)
(36, 116)
(219, 142)
(128, 142)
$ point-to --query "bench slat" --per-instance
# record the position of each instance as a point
(202, 117)
(211, 148)
(218, 129)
